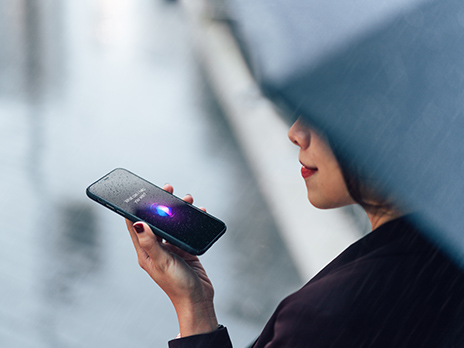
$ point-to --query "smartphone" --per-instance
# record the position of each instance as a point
(169, 217)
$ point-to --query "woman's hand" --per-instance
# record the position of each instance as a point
(179, 274)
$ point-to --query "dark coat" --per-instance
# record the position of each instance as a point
(392, 288)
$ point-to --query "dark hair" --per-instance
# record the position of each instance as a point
(364, 190)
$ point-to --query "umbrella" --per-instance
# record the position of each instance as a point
(385, 81)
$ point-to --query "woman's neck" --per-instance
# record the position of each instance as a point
(378, 218)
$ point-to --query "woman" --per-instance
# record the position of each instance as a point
(392, 288)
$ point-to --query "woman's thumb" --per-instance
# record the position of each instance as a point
(147, 240)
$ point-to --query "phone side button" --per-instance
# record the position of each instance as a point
(120, 212)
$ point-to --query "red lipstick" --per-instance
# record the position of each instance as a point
(307, 172)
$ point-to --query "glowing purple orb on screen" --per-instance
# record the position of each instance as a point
(161, 210)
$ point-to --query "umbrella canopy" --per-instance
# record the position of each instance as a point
(385, 81)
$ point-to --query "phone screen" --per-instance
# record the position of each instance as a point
(170, 217)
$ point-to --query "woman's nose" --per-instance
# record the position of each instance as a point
(299, 134)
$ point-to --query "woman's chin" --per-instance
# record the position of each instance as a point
(319, 203)
(324, 203)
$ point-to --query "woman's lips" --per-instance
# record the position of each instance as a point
(307, 172)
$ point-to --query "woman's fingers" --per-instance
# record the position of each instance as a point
(147, 244)
(188, 198)
(168, 188)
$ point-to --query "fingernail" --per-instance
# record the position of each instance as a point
(139, 227)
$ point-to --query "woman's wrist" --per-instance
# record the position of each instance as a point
(196, 318)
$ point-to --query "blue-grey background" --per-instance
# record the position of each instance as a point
(87, 86)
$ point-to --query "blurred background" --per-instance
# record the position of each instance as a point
(88, 86)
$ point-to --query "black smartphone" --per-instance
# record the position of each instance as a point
(171, 218)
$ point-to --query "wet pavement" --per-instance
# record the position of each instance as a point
(87, 86)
